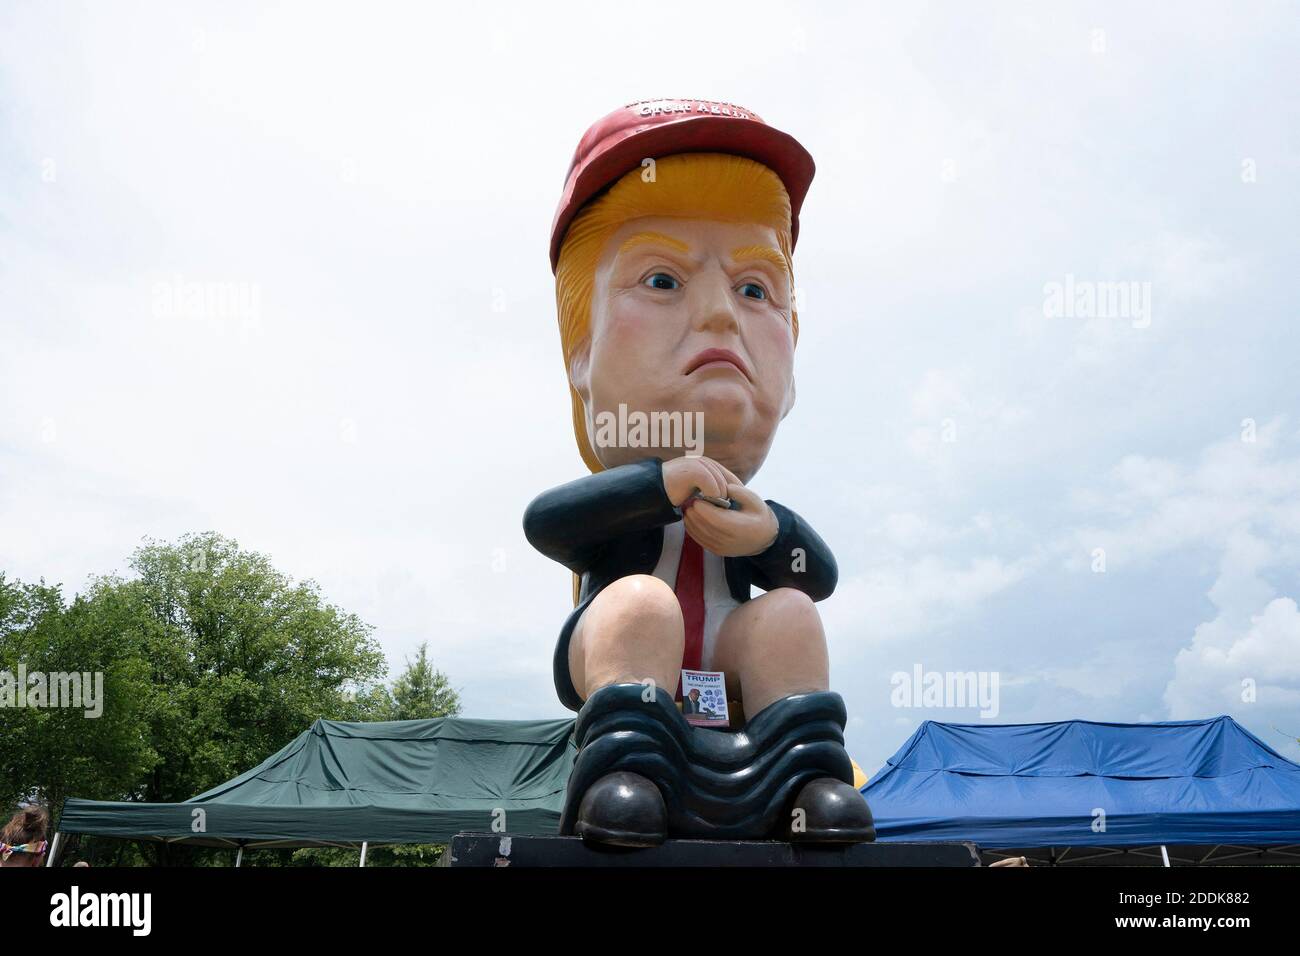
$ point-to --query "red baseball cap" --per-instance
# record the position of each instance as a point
(617, 143)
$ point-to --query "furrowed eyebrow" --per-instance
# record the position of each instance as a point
(761, 252)
(643, 238)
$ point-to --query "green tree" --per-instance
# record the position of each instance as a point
(243, 659)
(50, 753)
(406, 854)
(24, 609)
(422, 692)
(212, 658)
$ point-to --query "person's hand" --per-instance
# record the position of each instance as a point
(732, 534)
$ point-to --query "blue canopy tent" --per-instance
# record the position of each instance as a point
(1087, 791)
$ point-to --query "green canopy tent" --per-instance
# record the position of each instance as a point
(354, 784)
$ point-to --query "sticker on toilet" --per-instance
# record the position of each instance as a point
(704, 698)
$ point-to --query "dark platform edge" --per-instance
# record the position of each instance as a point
(506, 850)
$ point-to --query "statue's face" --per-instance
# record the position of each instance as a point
(690, 315)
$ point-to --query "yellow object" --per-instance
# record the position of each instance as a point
(859, 778)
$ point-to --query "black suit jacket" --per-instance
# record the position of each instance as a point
(611, 524)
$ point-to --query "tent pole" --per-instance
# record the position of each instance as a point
(54, 848)
(363, 853)
(1164, 854)
(239, 857)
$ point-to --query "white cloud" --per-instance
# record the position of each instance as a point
(1151, 506)
(1237, 502)
(1232, 668)
(907, 597)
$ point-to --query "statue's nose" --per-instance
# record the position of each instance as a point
(713, 306)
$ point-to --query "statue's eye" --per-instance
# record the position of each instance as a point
(662, 280)
(753, 290)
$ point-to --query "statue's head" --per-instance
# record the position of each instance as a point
(675, 290)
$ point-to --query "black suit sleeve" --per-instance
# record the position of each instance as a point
(798, 558)
(572, 523)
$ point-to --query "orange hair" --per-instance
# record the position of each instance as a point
(716, 186)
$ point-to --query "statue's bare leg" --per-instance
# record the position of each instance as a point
(771, 647)
(632, 632)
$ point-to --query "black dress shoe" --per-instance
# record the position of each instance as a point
(828, 810)
(622, 809)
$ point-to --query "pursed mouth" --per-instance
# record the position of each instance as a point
(711, 356)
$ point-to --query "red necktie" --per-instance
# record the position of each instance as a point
(690, 595)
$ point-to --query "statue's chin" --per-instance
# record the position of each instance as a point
(722, 397)
(735, 431)
(743, 458)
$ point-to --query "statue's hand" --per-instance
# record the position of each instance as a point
(683, 477)
(733, 534)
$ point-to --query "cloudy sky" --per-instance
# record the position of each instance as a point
(1103, 510)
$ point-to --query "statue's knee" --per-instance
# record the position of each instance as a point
(640, 611)
(788, 621)
(642, 597)
(791, 607)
